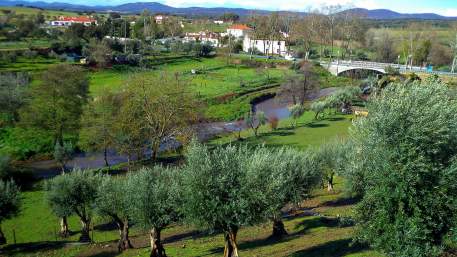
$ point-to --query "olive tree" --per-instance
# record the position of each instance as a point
(296, 111)
(63, 154)
(285, 176)
(330, 160)
(220, 192)
(154, 197)
(112, 201)
(318, 107)
(255, 120)
(74, 193)
(407, 148)
(9, 203)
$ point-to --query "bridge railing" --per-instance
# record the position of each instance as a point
(378, 65)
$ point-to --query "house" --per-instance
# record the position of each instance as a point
(203, 37)
(160, 19)
(219, 22)
(270, 47)
(238, 30)
(63, 21)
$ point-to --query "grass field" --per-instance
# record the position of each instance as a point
(442, 35)
(22, 64)
(213, 82)
(34, 11)
(308, 132)
(24, 44)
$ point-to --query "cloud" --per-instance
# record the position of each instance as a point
(449, 12)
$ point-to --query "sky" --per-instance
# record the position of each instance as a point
(443, 7)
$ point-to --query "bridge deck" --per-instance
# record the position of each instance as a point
(335, 66)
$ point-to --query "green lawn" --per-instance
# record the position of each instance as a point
(24, 44)
(309, 132)
(227, 89)
(34, 11)
(22, 64)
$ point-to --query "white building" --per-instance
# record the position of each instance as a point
(159, 19)
(238, 30)
(204, 37)
(218, 22)
(63, 21)
(270, 47)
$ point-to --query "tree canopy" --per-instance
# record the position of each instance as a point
(403, 164)
(10, 200)
(57, 102)
(74, 193)
(154, 199)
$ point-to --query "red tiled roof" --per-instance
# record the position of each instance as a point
(77, 19)
(239, 26)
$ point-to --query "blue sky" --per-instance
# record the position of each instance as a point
(444, 7)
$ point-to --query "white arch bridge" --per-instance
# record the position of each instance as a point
(339, 67)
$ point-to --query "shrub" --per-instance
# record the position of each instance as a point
(273, 122)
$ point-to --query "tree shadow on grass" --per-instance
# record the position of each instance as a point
(194, 234)
(335, 119)
(315, 222)
(278, 133)
(32, 247)
(255, 243)
(341, 202)
(109, 226)
(316, 125)
(105, 254)
(337, 248)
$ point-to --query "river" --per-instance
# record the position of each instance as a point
(272, 107)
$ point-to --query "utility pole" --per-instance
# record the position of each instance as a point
(125, 36)
(454, 48)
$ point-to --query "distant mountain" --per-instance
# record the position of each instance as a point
(378, 14)
(384, 14)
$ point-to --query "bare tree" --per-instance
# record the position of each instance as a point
(297, 88)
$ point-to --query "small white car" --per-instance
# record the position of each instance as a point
(289, 57)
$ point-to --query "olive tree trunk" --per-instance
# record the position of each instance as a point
(279, 229)
(2, 237)
(105, 157)
(85, 230)
(64, 231)
(231, 248)
(124, 240)
(330, 184)
(157, 249)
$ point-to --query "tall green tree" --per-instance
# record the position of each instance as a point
(164, 106)
(112, 201)
(220, 192)
(98, 124)
(154, 198)
(10, 201)
(74, 193)
(57, 102)
(98, 53)
(13, 88)
(404, 165)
